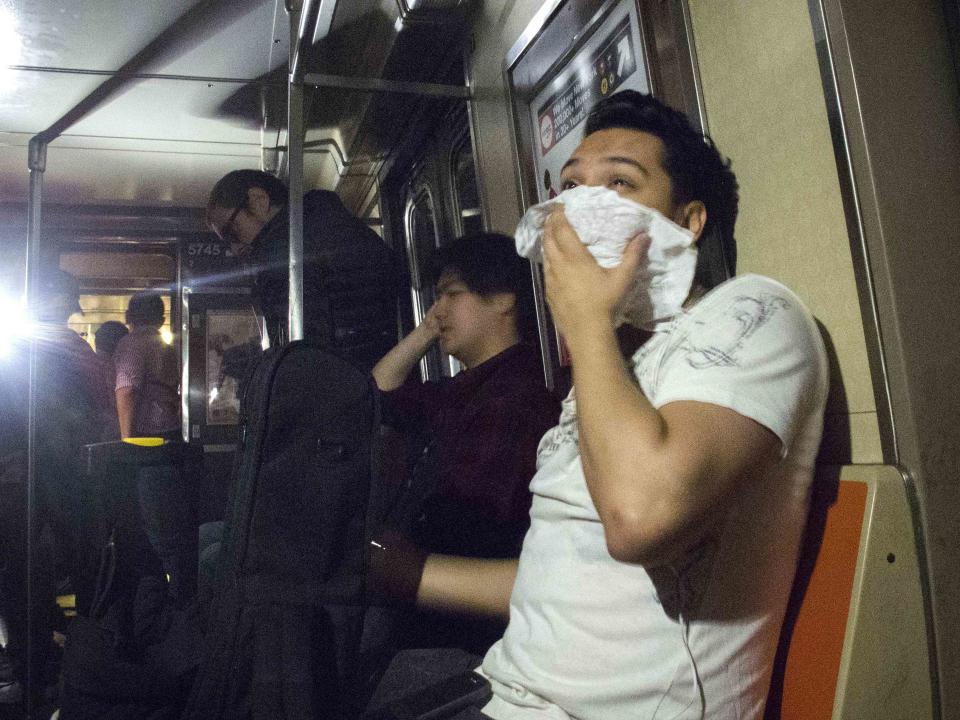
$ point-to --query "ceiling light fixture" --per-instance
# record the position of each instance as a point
(324, 20)
(9, 44)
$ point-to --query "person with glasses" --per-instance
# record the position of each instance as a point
(349, 297)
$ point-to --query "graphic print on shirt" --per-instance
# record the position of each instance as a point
(742, 318)
(564, 431)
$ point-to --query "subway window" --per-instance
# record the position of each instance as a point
(421, 239)
(465, 191)
(420, 228)
(99, 308)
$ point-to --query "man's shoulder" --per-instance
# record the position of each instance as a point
(749, 345)
(748, 322)
(128, 344)
(322, 200)
(751, 307)
(748, 285)
(134, 348)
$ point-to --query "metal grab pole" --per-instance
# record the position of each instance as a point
(295, 165)
(299, 23)
(37, 162)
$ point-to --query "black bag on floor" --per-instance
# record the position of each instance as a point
(284, 627)
(134, 656)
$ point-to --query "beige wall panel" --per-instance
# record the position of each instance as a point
(851, 435)
(865, 438)
(765, 109)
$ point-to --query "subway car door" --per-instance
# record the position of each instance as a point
(221, 337)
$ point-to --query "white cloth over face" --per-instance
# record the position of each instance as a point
(605, 222)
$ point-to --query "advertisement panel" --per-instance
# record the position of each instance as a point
(610, 59)
(232, 343)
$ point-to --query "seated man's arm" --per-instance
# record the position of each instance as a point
(400, 574)
(657, 477)
(467, 585)
(395, 366)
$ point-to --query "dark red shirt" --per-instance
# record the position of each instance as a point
(483, 426)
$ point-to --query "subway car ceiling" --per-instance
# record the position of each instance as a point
(205, 93)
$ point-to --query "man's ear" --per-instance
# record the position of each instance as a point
(258, 203)
(693, 216)
(504, 302)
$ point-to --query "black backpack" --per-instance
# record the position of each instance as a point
(283, 633)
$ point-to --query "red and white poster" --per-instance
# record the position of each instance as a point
(610, 59)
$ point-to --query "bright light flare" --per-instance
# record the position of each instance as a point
(166, 336)
(14, 324)
(10, 44)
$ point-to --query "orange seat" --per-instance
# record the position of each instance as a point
(805, 680)
(853, 644)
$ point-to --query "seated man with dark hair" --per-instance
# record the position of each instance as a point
(349, 287)
(670, 500)
(481, 427)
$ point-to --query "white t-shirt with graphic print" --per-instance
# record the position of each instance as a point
(593, 638)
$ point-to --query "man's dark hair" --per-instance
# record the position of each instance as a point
(231, 190)
(487, 263)
(59, 295)
(107, 336)
(697, 172)
(145, 308)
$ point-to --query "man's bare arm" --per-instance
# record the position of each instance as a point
(656, 477)
(126, 405)
(467, 585)
(394, 367)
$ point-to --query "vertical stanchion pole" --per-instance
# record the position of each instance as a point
(295, 164)
(295, 180)
(37, 162)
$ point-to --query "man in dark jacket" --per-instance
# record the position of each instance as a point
(349, 299)
(72, 406)
(469, 494)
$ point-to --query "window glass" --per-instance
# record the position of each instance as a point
(98, 309)
(465, 189)
(421, 237)
(421, 245)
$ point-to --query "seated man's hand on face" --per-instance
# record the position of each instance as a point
(430, 327)
(581, 293)
(394, 367)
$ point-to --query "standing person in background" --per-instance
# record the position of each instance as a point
(147, 386)
(349, 284)
(148, 404)
(71, 406)
(105, 343)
